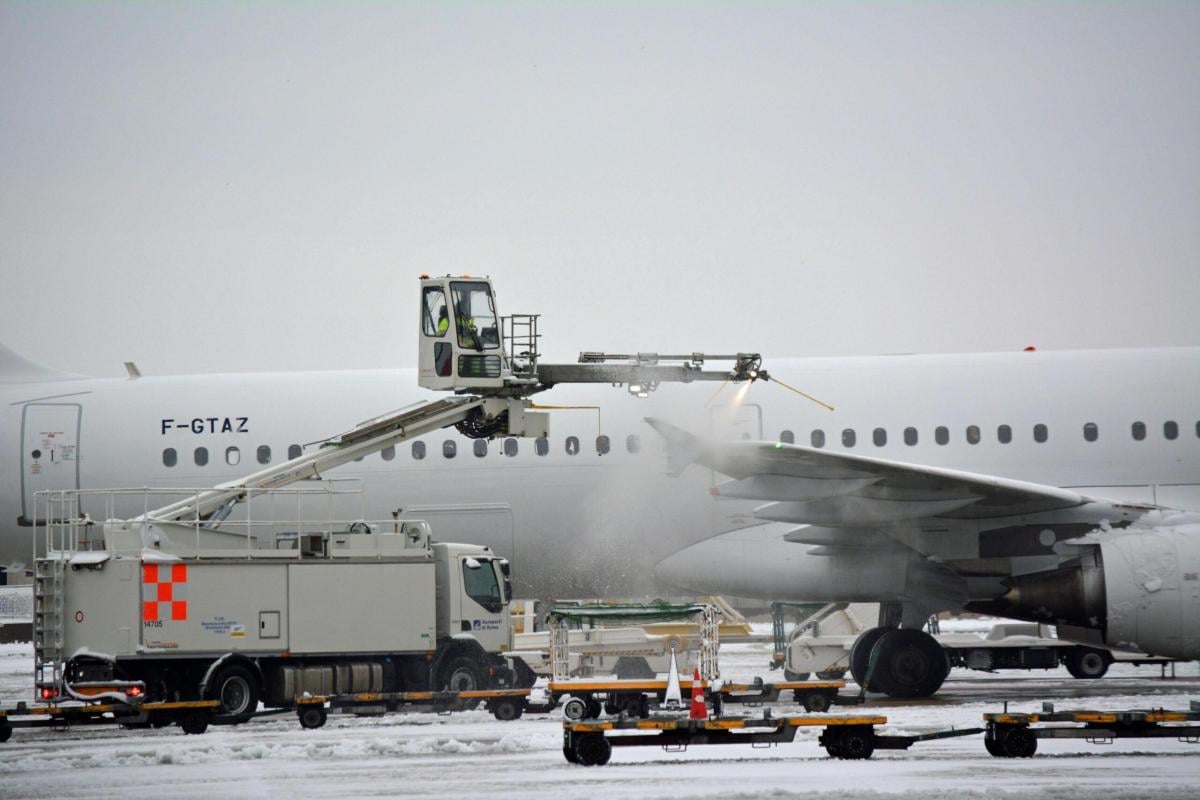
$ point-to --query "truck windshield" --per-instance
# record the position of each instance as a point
(480, 584)
(475, 315)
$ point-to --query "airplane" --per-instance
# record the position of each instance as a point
(1027, 484)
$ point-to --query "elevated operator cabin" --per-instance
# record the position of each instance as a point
(461, 343)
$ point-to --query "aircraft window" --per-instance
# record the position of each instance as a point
(264, 454)
(418, 451)
(294, 451)
(973, 434)
(435, 318)
(1139, 431)
(233, 456)
(170, 457)
(633, 443)
(787, 437)
(1171, 429)
(572, 445)
(603, 445)
(541, 446)
(449, 449)
(480, 448)
(1040, 433)
(201, 456)
(1091, 431)
(1004, 434)
(510, 447)
(910, 436)
(849, 437)
(880, 437)
(388, 453)
(941, 434)
(1198, 429)
(817, 437)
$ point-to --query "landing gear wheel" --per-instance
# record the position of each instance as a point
(860, 656)
(236, 690)
(816, 702)
(1086, 663)
(1019, 743)
(832, 675)
(311, 716)
(507, 709)
(194, 724)
(575, 709)
(909, 663)
(788, 675)
(593, 750)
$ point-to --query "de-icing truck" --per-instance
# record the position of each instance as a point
(188, 600)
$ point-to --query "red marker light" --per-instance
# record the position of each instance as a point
(48, 693)
(135, 691)
(1030, 349)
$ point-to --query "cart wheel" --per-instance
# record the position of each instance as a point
(643, 709)
(194, 723)
(816, 702)
(593, 750)
(311, 715)
(575, 709)
(993, 747)
(594, 708)
(506, 709)
(1020, 743)
(832, 741)
(5, 733)
(569, 754)
(857, 742)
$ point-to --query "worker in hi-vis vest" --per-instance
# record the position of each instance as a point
(443, 323)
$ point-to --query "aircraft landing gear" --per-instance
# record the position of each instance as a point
(900, 662)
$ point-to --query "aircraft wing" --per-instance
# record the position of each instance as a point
(840, 490)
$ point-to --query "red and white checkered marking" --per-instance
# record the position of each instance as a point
(164, 592)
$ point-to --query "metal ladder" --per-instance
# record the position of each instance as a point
(48, 622)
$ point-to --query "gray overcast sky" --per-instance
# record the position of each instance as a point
(245, 186)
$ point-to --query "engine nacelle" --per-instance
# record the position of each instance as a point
(1140, 589)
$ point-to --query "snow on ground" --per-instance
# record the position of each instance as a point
(472, 755)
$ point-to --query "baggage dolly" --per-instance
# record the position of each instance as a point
(1014, 735)
(505, 704)
(589, 698)
(192, 716)
(590, 743)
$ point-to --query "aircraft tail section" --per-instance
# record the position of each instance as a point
(15, 369)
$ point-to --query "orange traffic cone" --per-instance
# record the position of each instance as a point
(699, 708)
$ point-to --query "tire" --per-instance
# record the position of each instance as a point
(569, 754)
(993, 747)
(5, 733)
(594, 708)
(788, 675)
(832, 675)
(194, 724)
(1019, 742)
(860, 656)
(909, 663)
(593, 750)
(525, 675)
(462, 674)
(1087, 663)
(236, 690)
(506, 709)
(311, 716)
(575, 709)
(816, 702)
(856, 743)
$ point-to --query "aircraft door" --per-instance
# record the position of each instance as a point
(49, 452)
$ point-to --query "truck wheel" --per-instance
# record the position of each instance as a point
(194, 724)
(575, 709)
(462, 674)
(311, 716)
(1086, 663)
(816, 702)
(593, 750)
(236, 691)
(506, 709)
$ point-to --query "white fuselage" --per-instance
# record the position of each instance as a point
(588, 524)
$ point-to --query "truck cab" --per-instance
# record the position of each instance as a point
(474, 592)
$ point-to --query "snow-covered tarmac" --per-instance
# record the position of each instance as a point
(472, 755)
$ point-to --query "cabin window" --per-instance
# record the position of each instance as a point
(170, 457)
(480, 584)
(1091, 431)
(572, 445)
(449, 449)
(603, 445)
(941, 434)
(541, 446)
(849, 437)
(418, 451)
(1040, 433)
(480, 447)
(233, 456)
(201, 456)
(787, 437)
(910, 436)
(294, 451)
(973, 434)
(388, 453)
(1004, 434)
(879, 436)
(435, 317)
(1171, 429)
(510, 447)
(263, 454)
(817, 438)
(633, 443)
(1138, 429)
